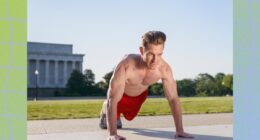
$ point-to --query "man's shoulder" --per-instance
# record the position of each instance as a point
(165, 69)
(132, 56)
(129, 59)
(164, 65)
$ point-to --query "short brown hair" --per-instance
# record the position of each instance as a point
(153, 37)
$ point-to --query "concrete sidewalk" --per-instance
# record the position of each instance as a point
(210, 132)
(203, 127)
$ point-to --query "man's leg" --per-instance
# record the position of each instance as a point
(104, 107)
(103, 120)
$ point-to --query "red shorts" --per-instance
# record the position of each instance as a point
(129, 106)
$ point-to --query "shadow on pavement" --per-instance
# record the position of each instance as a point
(170, 134)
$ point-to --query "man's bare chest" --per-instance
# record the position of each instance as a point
(141, 77)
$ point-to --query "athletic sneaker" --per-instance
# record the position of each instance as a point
(103, 122)
(119, 123)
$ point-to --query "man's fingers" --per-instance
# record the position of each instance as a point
(185, 135)
(117, 138)
(122, 138)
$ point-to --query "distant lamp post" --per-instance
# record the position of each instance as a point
(36, 76)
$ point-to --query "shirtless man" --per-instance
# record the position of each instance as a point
(128, 86)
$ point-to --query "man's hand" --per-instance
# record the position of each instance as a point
(116, 137)
(183, 135)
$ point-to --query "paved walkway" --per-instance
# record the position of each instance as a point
(203, 127)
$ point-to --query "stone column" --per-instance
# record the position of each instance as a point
(80, 66)
(56, 69)
(65, 73)
(29, 73)
(37, 62)
(47, 75)
(73, 65)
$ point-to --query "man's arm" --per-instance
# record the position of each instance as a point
(115, 93)
(170, 89)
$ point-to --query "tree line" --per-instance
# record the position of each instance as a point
(83, 84)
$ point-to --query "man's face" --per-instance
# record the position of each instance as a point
(152, 55)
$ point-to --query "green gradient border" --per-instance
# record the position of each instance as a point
(13, 69)
(246, 69)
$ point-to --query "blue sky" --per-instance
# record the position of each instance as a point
(199, 32)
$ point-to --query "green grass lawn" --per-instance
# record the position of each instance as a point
(73, 109)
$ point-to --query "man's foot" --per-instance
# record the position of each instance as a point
(103, 122)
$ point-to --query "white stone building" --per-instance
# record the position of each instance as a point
(54, 63)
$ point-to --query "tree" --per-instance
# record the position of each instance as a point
(75, 85)
(107, 78)
(101, 88)
(219, 77)
(101, 85)
(221, 90)
(186, 87)
(89, 81)
(205, 85)
(228, 83)
(89, 77)
(156, 89)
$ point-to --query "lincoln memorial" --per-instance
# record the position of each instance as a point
(53, 63)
